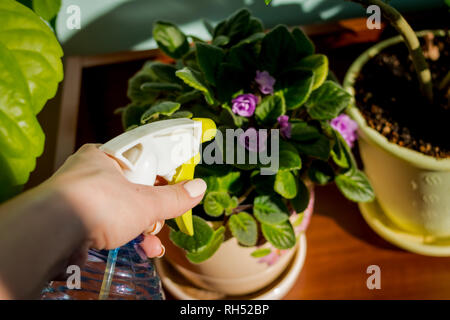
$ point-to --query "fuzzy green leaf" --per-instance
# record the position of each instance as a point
(318, 64)
(244, 228)
(304, 45)
(320, 172)
(166, 108)
(207, 251)
(317, 148)
(202, 236)
(216, 202)
(280, 235)
(302, 131)
(270, 209)
(301, 200)
(297, 86)
(285, 184)
(270, 108)
(193, 78)
(327, 101)
(47, 9)
(289, 157)
(209, 58)
(170, 39)
(354, 185)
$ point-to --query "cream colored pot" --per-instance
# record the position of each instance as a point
(413, 189)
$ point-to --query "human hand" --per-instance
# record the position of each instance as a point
(114, 210)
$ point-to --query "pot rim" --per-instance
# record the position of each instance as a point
(413, 157)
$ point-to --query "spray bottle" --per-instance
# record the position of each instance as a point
(167, 148)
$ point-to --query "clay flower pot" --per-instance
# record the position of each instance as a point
(232, 270)
(412, 188)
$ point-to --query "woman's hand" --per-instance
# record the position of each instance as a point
(114, 210)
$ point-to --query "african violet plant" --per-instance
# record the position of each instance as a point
(250, 80)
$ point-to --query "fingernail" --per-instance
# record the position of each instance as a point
(163, 251)
(155, 228)
(195, 187)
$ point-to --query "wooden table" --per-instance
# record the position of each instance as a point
(340, 247)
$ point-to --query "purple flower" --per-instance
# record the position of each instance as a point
(253, 140)
(346, 127)
(245, 104)
(285, 126)
(265, 81)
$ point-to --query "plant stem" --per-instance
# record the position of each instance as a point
(412, 42)
(242, 208)
(246, 194)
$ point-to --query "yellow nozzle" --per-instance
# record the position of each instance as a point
(186, 172)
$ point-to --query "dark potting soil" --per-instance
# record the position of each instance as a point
(388, 95)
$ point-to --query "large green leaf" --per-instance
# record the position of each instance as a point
(170, 39)
(270, 209)
(166, 108)
(318, 64)
(327, 101)
(289, 157)
(194, 79)
(207, 251)
(297, 85)
(35, 48)
(202, 236)
(302, 131)
(317, 148)
(278, 50)
(47, 9)
(131, 114)
(270, 108)
(281, 235)
(304, 45)
(209, 58)
(244, 228)
(239, 26)
(216, 203)
(301, 200)
(354, 185)
(30, 70)
(285, 184)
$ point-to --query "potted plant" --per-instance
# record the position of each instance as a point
(402, 109)
(248, 81)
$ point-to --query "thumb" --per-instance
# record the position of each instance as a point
(171, 201)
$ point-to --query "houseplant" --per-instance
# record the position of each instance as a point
(404, 125)
(249, 80)
(30, 68)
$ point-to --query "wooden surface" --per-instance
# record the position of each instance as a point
(340, 247)
(340, 244)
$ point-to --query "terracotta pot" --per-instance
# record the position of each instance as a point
(232, 270)
(412, 188)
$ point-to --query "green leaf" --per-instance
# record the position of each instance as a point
(301, 200)
(285, 184)
(304, 45)
(289, 157)
(202, 236)
(317, 148)
(281, 235)
(338, 152)
(302, 131)
(238, 26)
(30, 70)
(131, 115)
(209, 59)
(47, 9)
(320, 172)
(160, 86)
(172, 224)
(208, 26)
(267, 3)
(170, 39)
(216, 202)
(182, 114)
(231, 79)
(270, 108)
(263, 183)
(207, 251)
(244, 229)
(354, 185)
(229, 182)
(259, 253)
(221, 41)
(278, 50)
(166, 108)
(327, 101)
(296, 86)
(189, 96)
(270, 209)
(135, 93)
(318, 64)
(193, 79)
